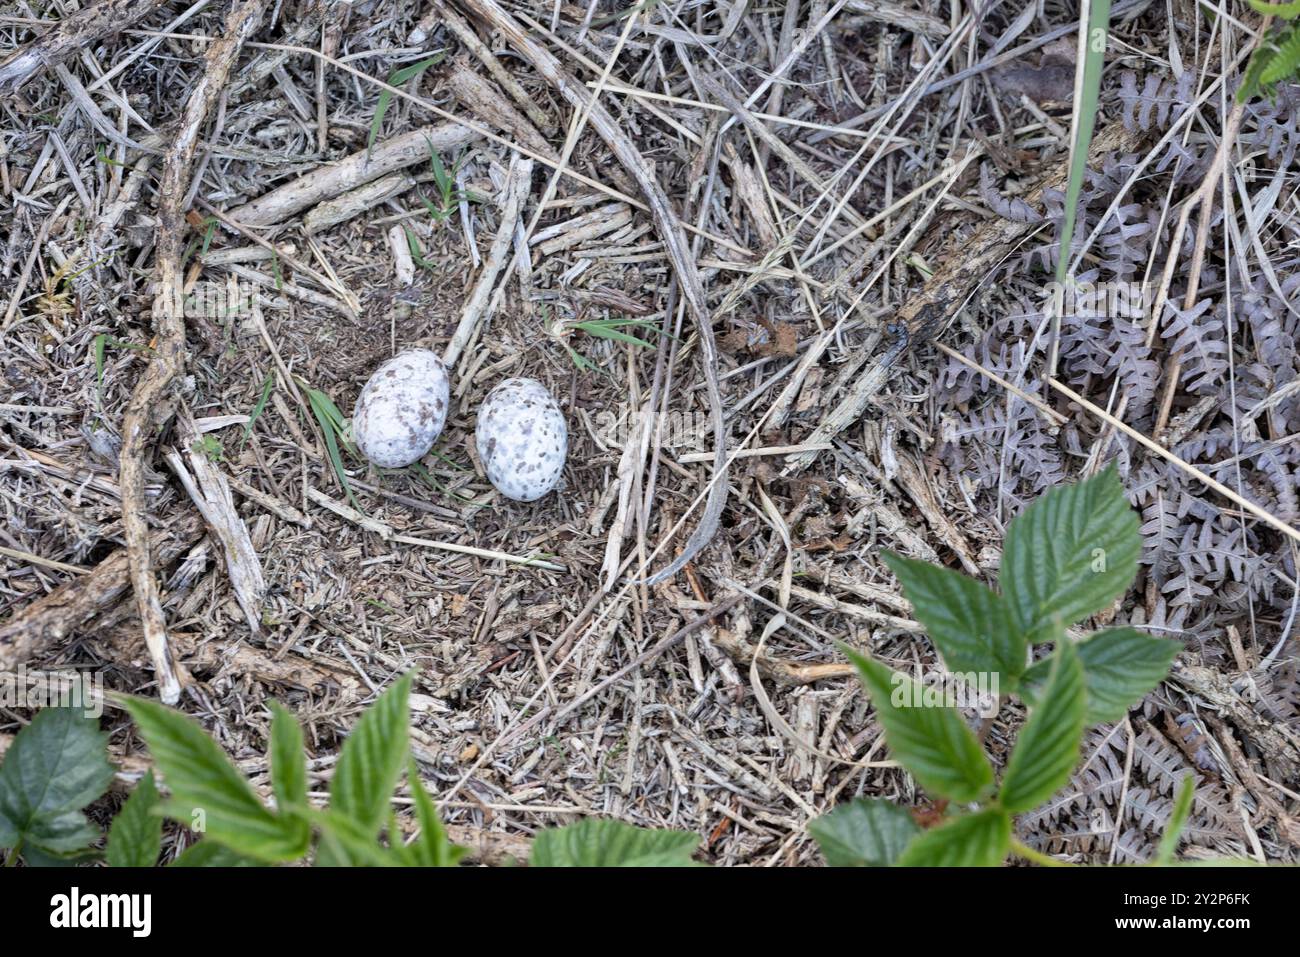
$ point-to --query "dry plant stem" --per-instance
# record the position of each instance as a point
(70, 34)
(29, 633)
(169, 326)
(898, 15)
(515, 192)
(356, 170)
(951, 286)
(341, 208)
(636, 663)
(480, 130)
(769, 139)
(482, 98)
(454, 22)
(674, 239)
(209, 489)
(1204, 197)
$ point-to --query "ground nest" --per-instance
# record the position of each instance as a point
(866, 202)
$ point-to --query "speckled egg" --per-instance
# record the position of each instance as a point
(522, 439)
(402, 409)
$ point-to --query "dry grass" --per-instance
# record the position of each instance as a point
(814, 217)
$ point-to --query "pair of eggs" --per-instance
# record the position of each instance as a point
(521, 434)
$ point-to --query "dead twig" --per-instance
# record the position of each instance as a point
(361, 167)
(70, 34)
(168, 357)
(46, 621)
(513, 195)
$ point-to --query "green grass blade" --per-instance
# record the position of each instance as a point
(606, 332)
(258, 408)
(331, 422)
(1087, 90)
(397, 78)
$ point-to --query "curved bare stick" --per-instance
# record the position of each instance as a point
(169, 326)
(71, 33)
(674, 238)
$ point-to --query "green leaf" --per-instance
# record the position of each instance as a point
(601, 843)
(1048, 746)
(1284, 11)
(601, 331)
(209, 793)
(967, 622)
(345, 843)
(981, 839)
(1120, 665)
(135, 839)
(1284, 62)
(438, 214)
(97, 344)
(55, 767)
(372, 759)
(441, 178)
(36, 857)
(330, 420)
(1177, 821)
(212, 854)
(258, 408)
(933, 743)
(431, 847)
(1085, 120)
(1069, 554)
(866, 832)
(288, 759)
(397, 78)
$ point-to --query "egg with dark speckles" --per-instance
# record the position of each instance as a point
(402, 409)
(522, 439)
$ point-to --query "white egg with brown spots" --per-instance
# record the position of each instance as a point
(402, 409)
(522, 439)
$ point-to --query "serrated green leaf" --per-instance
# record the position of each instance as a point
(209, 792)
(1048, 746)
(431, 848)
(345, 843)
(1120, 665)
(866, 832)
(933, 743)
(212, 854)
(37, 857)
(1284, 61)
(1177, 821)
(288, 759)
(135, 838)
(60, 834)
(967, 622)
(1284, 11)
(981, 839)
(372, 759)
(1069, 554)
(601, 843)
(55, 767)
